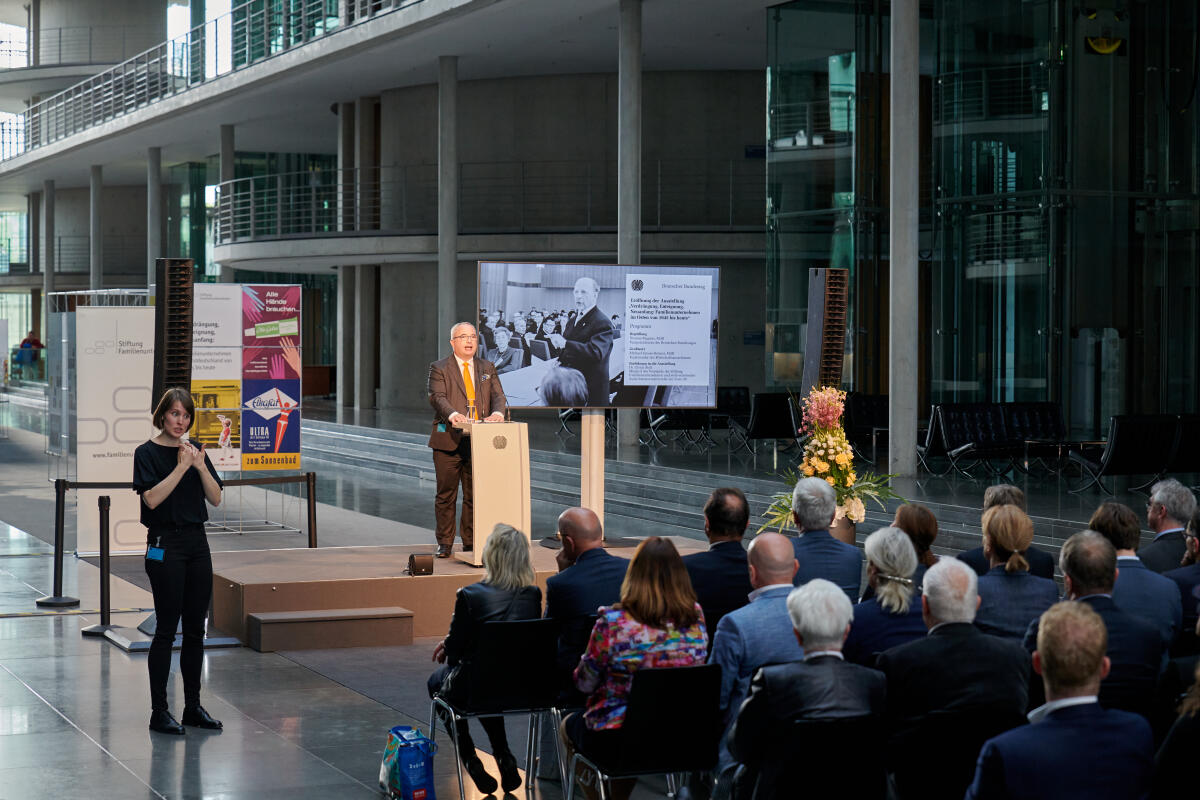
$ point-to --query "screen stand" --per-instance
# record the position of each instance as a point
(591, 461)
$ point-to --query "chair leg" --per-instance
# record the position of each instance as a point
(462, 792)
(672, 785)
(532, 737)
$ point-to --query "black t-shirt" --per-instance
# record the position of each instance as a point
(185, 505)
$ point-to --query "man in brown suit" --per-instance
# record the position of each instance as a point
(452, 398)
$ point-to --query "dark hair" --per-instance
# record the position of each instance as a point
(1117, 523)
(563, 387)
(1090, 561)
(169, 398)
(657, 590)
(920, 524)
(1003, 494)
(727, 512)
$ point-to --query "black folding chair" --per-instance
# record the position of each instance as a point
(1138, 444)
(732, 414)
(1186, 460)
(773, 415)
(957, 737)
(847, 769)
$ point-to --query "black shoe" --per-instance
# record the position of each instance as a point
(197, 717)
(483, 782)
(510, 776)
(468, 548)
(163, 722)
(443, 551)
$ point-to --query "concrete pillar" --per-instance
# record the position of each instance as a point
(95, 232)
(366, 334)
(227, 153)
(405, 351)
(345, 336)
(391, 118)
(47, 238)
(33, 229)
(345, 166)
(904, 208)
(447, 274)
(366, 164)
(154, 210)
(629, 166)
(227, 157)
(34, 32)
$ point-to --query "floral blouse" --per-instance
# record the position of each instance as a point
(619, 647)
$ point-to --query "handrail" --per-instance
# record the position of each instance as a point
(77, 44)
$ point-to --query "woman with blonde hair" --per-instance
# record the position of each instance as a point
(892, 616)
(1010, 597)
(507, 592)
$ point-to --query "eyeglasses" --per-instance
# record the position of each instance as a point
(467, 337)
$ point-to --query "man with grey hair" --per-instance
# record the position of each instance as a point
(821, 687)
(587, 341)
(462, 388)
(1171, 506)
(814, 503)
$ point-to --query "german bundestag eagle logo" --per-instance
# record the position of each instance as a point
(636, 284)
(500, 442)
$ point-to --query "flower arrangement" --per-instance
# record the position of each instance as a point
(827, 455)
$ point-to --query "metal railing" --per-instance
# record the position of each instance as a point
(120, 252)
(1015, 90)
(1016, 234)
(99, 44)
(13, 255)
(518, 196)
(247, 35)
(811, 123)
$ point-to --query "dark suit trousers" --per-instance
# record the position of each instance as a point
(454, 467)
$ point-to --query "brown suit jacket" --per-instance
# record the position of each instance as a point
(448, 394)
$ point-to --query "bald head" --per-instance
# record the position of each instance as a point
(772, 560)
(580, 529)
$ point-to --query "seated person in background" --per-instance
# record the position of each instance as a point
(893, 616)
(505, 358)
(1153, 597)
(1009, 597)
(549, 328)
(507, 592)
(658, 623)
(922, 528)
(1075, 747)
(563, 387)
(1135, 649)
(1175, 764)
(821, 687)
(814, 504)
(1041, 563)
(1171, 505)
(719, 575)
(1187, 578)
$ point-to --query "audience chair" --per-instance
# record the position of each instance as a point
(513, 672)
(1186, 460)
(1138, 444)
(976, 433)
(774, 416)
(956, 738)
(839, 759)
(672, 725)
(732, 414)
(933, 447)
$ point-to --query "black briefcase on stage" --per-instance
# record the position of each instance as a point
(420, 564)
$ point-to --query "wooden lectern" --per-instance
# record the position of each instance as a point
(500, 472)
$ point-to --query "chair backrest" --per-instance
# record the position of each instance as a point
(933, 434)
(839, 765)
(864, 412)
(966, 423)
(672, 720)
(734, 401)
(539, 349)
(514, 666)
(1187, 448)
(1139, 444)
(1035, 421)
(956, 738)
(772, 416)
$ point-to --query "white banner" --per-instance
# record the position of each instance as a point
(114, 357)
(217, 316)
(668, 330)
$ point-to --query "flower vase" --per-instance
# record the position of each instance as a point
(842, 530)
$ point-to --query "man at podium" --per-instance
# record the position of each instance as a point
(462, 389)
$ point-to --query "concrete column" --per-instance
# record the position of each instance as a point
(447, 273)
(366, 164)
(95, 233)
(34, 32)
(47, 237)
(404, 351)
(345, 166)
(227, 153)
(154, 210)
(345, 336)
(629, 166)
(366, 335)
(33, 228)
(391, 120)
(904, 208)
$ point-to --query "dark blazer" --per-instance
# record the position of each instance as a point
(1135, 649)
(510, 359)
(1153, 597)
(1165, 552)
(1041, 563)
(822, 556)
(956, 668)
(1009, 601)
(448, 393)
(1077, 751)
(1175, 763)
(721, 578)
(1188, 580)
(481, 602)
(875, 629)
(573, 598)
(589, 341)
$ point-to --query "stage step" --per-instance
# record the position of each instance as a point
(268, 631)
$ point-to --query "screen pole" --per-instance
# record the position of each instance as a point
(591, 461)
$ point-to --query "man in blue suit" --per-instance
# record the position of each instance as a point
(814, 503)
(1075, 747)
(759, 633)
(1171, 505)
(719, 575)
(1187, 578)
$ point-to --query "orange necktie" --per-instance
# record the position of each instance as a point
(470, 388)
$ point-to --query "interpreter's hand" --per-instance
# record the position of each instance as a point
(495, 416)
(557, 340)
(439, 652)
(183, 458)
(195, 455)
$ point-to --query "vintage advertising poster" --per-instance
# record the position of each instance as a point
(272, 363)
(217, 394)
(270, 424)
(270, 314)
(216, 315)
(221, 434)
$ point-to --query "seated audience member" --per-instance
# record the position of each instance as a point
(658, 623)
(821, 687)
(507, 592)
(1171, 505)
(505, 358)
(1135, 649)
(1009, 596)
(719, 575)
(1074, 747)
(1041, 563)
(1153, 597)
(1187, 578)
(922, 528)
(563, 387)
(1175, 764)
(759, 633)
(893, 615)
(588, 577)
(549, 328)
(814, 504)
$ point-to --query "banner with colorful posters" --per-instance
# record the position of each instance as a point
(270, 314)
(114, 357)
(271, 363)
(270, 424)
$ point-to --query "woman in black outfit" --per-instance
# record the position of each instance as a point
(174, 478)
(507, 592)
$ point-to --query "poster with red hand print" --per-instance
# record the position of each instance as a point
(270, 313)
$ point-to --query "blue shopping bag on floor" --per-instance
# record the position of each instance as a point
(407, 768)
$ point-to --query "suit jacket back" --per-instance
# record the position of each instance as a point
(1164, 553)
(721, 579)
(574, 597)
(1152, 597)
(822, 556)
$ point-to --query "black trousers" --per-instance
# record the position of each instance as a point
(182, 586)
(452, 467)
(492, 726)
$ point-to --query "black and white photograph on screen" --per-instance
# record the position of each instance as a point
(601, 335)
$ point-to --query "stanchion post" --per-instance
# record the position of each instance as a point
(57, 600)
(105, 502)
(310, 483)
